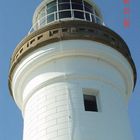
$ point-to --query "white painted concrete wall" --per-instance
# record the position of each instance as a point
(48, 85)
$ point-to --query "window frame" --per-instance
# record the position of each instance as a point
(92, 92)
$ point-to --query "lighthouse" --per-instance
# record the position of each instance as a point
(72, 76)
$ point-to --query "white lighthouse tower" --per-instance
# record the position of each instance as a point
(71, 76)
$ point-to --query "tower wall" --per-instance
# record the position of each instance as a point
(52, 80)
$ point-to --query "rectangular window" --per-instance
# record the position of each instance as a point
(90, 100)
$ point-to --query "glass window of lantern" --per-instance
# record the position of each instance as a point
(77, 6)
(96, 13)
(51, 4)
(50, 18)
(63, 1)
(42, 21)
(64, 6)
(98, 20)
(88, 7)
(51, 7)
(77, 1)
(65, 14)
(78, 14)
(87, 16)
(41, 14)
(93, 18)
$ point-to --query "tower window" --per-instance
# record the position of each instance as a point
(90, 100)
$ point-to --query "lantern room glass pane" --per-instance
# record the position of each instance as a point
(88, 7)
(64, 6)
(98, 20)
(93, 19)
(77, 1)
(88, 10)
(51, 10)
(51, 4)
(42, 22)
(77, 6)
(88, 16)
(78, 14)
(65, 14)
(50, 18)
(62, 1)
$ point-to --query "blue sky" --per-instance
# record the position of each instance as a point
(15, 22)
